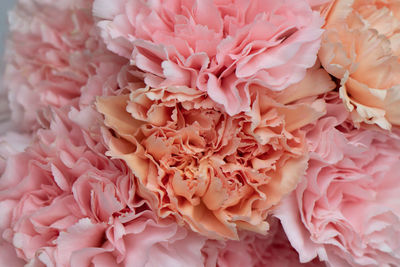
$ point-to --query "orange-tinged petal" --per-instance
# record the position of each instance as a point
(210, 170)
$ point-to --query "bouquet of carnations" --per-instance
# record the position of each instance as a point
(186, 133)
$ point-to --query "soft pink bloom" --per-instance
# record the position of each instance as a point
(217, 173)
(219, 47)
(272, 250)
(347, 209)
(142, 240)
(62, 180)
(11, 143)
(52, 54)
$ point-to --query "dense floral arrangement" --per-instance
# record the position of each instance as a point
(201, 133)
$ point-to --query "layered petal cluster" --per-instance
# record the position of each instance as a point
(273, 250)
(62, 183)
(63, 203)
(11, 143)
(218, 173)
(52, 54)
(218, 47)
(361, 47)
(143, 240)
(346, 210)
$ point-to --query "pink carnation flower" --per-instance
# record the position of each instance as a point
(62, 181)
(11, 143)
(346, 210)
(272, 250)
(52, 54)
(220, 47)
(141, 240)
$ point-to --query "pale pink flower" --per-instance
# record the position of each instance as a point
(346, 210)
(62, 180)
(141, 240)
(11, 143)
(272, 250)
(52, 53)
(218, 47)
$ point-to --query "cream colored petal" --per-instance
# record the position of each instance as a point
(364, 114)
(379, 18)
(361, 93)
(392, 105)
(339, 11)
(336, 55)
(377, 67)
(316, 82)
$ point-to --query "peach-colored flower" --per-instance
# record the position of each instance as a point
(347, 211)
(216, 172)
(361, 47)
(219, 47)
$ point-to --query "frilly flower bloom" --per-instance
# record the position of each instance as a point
(52, 53)
(218, 47)
(361, 47)
(218, 173)
(63, 203)
(61, 182)
(11, 143)
(256, 250)
(142, 240)
(346, 210)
